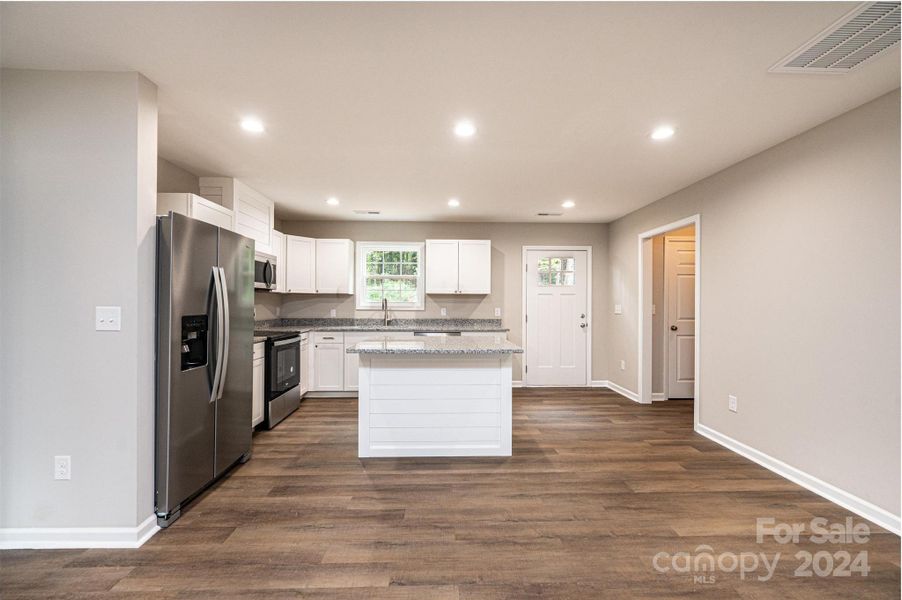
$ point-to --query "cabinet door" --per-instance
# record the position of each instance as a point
(474, 267)
(328, 367)
(305, 367)
(278, 250)
(300, 264)
(209, 212)
(441, 266)
(259, 379)
(254, 216)
(352, 361)
(334, 267)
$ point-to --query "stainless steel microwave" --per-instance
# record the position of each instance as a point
(264, 271)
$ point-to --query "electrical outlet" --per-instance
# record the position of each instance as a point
(734, 403)
(444, 312)
(618, 309)
(623, 365)
(497, 311)
(333, 313)
(107, 318)
(62, 467)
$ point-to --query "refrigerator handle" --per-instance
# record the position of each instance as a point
(226, 328)
(217, 373)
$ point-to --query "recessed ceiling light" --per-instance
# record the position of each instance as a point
(453, 202)
(568, 203)
(333, 201)
(662, 133)
(253, 125)
(464, 128)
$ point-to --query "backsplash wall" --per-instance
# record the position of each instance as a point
(508, 240)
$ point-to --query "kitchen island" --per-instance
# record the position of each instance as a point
(434, 396)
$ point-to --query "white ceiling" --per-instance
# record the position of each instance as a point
(359, 99)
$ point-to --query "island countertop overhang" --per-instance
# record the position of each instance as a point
(437, 346)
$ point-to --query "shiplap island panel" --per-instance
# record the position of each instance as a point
(434, 397)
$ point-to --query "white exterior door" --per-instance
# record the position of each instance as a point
(557, 327)
(679, 290)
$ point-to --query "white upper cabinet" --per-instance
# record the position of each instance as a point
(458, 266)
(334, 267)
(253, 213)
(278, 250)
(474, 271)
(300, 265)
(195, 207)
(441, 266)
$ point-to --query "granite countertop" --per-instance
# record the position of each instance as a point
(437, 345)
(337, 325)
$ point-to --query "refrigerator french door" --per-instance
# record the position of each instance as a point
(205, 322)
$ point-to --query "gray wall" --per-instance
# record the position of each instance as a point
(799, 299)
(78, 191)
(172, 178)
(508, 240)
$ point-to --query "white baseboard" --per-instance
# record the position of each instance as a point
(857, 505)
(517, 383)
(658, 396)
(617, 388)
(12, 538)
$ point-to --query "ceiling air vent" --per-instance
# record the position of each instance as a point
(367, 212)
(548, 214)
(858, 36)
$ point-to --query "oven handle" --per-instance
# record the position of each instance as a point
(293, 340)
(227, 328)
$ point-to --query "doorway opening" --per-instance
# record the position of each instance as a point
(669, 317)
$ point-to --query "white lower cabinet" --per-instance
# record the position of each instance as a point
(328, 362)
(352, 361)
(305, 363)
(259, 383)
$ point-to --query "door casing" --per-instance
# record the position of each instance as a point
(644, 338)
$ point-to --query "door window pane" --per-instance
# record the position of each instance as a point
(556, 271)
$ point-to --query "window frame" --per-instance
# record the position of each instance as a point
(363, 248)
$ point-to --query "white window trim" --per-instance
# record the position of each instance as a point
(363, 247)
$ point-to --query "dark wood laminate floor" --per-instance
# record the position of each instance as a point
(597, 486)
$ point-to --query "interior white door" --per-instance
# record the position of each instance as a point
(557, 327)
(679, 290)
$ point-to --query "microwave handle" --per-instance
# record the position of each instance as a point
(226, 330)
(267, 274)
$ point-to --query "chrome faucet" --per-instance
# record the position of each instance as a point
(385, 312)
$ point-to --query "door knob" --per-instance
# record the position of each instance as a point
(673, 328)
(583, 325)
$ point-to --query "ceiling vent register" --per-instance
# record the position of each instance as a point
(860, 35)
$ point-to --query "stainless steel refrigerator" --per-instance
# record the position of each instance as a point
(205, 325)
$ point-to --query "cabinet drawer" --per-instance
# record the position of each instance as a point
(328, 337)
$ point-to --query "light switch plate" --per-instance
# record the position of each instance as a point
(734, 403)
(497, 311)
(654, 309)
(108, 318)
(618, 309)
(623, 365)
(333, 313)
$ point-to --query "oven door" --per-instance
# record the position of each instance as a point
(284, 366)
(264, 272)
